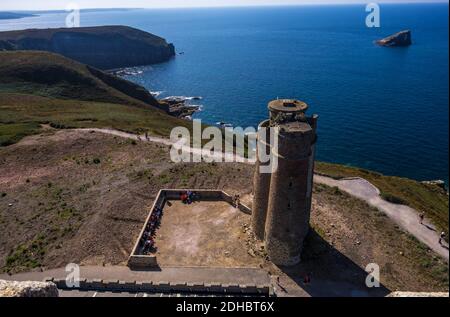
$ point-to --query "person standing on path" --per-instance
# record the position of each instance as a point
(421, 216)
(442, 237)
(237, 200)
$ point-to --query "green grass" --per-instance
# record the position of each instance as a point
(22, 115)
(393, 199)
(430, 199)
(45, 88)
(431, 266)
(40, 87)
(51, 75)
(11, 133)
(27, 256)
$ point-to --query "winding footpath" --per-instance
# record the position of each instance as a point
(404, 216)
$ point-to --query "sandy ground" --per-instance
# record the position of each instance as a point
(205, 233)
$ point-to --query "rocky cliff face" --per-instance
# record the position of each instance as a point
(402, 38)
(127, 87)
(27, 289)
(104, 47)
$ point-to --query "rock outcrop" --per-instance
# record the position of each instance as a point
(178, 107)
(402, 38)
(27, 289)
(438, 182)
(104, 47)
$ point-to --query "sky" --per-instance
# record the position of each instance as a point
(62, 4)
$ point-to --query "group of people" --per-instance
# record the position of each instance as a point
(441, 236)
(236, 200)
(187, 197)
(147, 240)
(147, 138)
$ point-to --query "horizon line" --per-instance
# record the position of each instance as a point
(235, 6)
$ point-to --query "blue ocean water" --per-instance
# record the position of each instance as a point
(384, 109)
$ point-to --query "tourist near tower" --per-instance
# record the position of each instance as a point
(282, 199)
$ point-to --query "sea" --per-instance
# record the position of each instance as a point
(383, 109)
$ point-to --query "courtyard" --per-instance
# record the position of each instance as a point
(204, 233)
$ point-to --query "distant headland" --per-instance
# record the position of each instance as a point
(14, 15)
(104, 47)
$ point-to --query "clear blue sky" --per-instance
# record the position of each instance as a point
(61, 4)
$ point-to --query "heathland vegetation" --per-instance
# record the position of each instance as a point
(39, 88)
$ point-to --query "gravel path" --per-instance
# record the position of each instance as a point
(186, 149)
(404, 216)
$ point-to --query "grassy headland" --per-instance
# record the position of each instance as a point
(104, 47)
(44, 88)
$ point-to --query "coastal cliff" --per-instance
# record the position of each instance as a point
(104, 47)
(402, 38)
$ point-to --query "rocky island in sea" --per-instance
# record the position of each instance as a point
(402, 38)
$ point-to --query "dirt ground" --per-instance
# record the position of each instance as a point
(204, 233)
(71, 196)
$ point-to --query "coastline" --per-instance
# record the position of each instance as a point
(180, 107)
(176, 106)
(106, 167)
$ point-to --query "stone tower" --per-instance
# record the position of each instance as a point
(261, 186)
(282, 199)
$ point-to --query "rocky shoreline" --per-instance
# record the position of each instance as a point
(437, 182)
(179, 106)
(176, 106)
